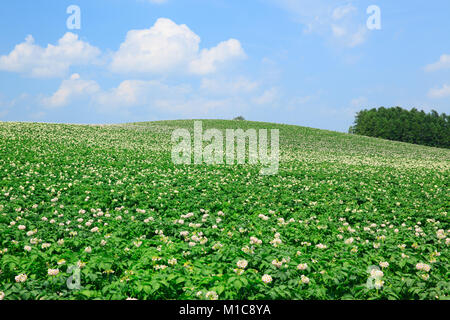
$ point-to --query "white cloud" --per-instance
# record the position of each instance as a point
(219, 96)
(70, 90)
(329, 19)
(209, 59)
(267, 97)
(351, 39)
(128, 93)
(342, 11)
(181, 100)
(338, 31)
(356, 38)
(52, 61)
(440, 92)
(443, 63)
(161, 48)
(131, 93)
(167, 47)
(152, 96)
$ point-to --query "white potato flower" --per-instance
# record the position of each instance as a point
(302, 266)
(53, 272)
(304, 279)
(21, 277)
(242, 264)
(266, 279)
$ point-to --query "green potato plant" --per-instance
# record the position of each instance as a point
(101, 212)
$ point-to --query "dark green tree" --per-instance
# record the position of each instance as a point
(413, 126)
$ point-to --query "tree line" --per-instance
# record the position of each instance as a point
(413, 126)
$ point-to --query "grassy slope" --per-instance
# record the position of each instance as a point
(323, 174)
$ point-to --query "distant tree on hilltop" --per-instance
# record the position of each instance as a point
(239, 118)
(413, 126)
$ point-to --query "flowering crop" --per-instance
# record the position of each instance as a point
(104, 204)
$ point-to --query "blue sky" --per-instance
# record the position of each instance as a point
(306, 62)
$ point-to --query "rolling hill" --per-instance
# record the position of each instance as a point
(346, 216)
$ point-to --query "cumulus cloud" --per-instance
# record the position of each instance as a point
(131, 93)
(52, 61)
(440, 92)
(443, 63)
(329, 19)
(212, 97)
(167, 47)
(70, 90)
(128, 93)
(164, 48)
(156, 96)
(209, 59)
